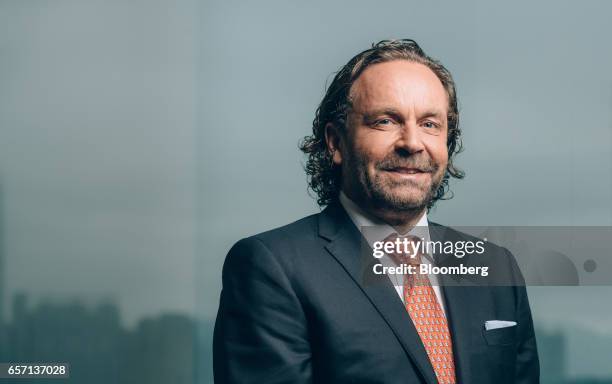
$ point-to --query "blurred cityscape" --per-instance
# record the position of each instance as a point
(100, 349)
(554, 356)
(170, 348)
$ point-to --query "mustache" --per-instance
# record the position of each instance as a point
(394, 161)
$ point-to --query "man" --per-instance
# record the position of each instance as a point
(302, 303)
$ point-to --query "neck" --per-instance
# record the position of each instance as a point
(402, 222)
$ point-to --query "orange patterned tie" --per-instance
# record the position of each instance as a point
(428, 318)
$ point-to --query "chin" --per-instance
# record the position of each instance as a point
(403, 202)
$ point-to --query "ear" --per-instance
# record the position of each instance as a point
(333, 139)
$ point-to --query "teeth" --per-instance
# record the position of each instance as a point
(408, 171)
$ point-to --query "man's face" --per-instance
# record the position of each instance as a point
(393, 153)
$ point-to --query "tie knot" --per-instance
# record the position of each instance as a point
(406, 249)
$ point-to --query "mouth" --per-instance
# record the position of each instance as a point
(408, 174)
(407, 171)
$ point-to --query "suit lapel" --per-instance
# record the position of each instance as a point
(347, 247)
(463, 299)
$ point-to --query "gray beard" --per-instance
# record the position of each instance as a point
(374, 193)
(380, 199)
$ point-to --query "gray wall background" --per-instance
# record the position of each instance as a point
(97, 151)
(140, 139)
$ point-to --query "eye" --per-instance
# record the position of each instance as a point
(430, 124)
(383, 122)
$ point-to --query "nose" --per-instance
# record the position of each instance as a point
(410, 139)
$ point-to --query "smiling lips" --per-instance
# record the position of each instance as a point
(407, 170)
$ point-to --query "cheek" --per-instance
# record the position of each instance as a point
(438, 150)
(373, 146)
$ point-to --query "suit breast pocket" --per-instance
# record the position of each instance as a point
(500, 336)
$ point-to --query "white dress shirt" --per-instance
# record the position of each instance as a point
(374, 230)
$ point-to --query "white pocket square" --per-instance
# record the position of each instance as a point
(494, 324)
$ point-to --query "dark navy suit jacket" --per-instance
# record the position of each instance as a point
(299, 304)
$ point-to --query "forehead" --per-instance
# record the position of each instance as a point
(400, 84)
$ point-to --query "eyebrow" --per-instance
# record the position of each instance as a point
(433, 113)
(369, 115)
